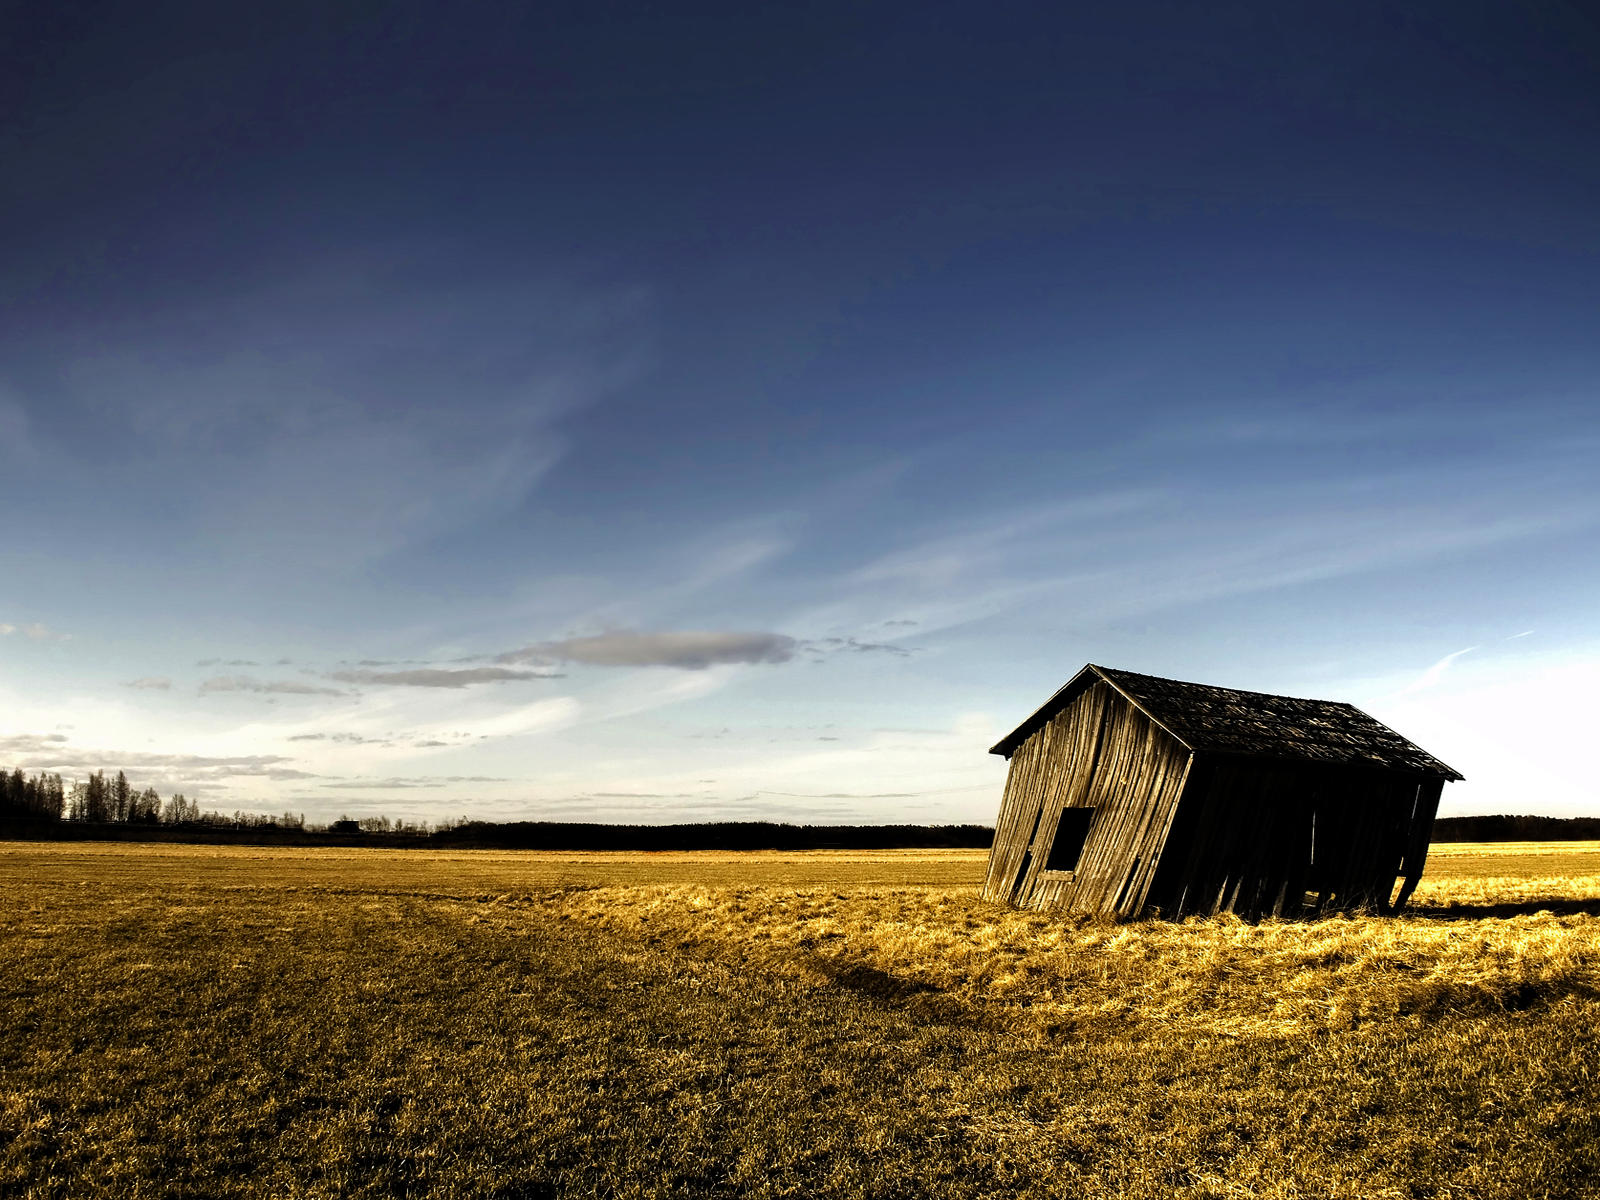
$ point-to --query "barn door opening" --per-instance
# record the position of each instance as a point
(1072, 831)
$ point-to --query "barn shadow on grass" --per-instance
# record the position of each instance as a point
(882, 990)
(1478, 912)
(869, 982)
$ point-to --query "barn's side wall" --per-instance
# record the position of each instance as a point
(1045, 770)
(1099, 752)
(1264, 837)
(1013, 828)
(1416, 859)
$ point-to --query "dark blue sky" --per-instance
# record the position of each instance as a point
(944, 347)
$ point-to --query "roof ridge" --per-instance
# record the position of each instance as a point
(1217, 687)
(1106, 674)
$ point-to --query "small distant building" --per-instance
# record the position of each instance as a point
(1129, 795)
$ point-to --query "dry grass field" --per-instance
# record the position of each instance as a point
(235, 1022)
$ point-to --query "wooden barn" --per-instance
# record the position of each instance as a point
(1129, 794)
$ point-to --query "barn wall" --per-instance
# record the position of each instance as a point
(1042, 775)
(1263, 837)
(1099, 752)
(1415, 862)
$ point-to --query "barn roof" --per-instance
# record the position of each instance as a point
(1228, 721)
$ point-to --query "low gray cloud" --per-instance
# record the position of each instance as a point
(151, 683)
(437, 677)
(691, 650)
(282, 687)
(383, 784)
(411, 781)
(851, 644)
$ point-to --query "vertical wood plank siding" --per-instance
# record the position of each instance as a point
(1056, 758)
(1013, 828)
(1261, 838)
(1416, 856)
(1099, 752)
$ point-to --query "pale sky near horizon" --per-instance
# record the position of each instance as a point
(699, 412)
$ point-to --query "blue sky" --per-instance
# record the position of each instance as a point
(696, 412)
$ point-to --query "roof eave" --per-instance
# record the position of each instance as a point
(1040, 717)
(1446, 773)
(1450, 773)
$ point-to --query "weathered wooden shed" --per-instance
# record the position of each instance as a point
(1129, 794)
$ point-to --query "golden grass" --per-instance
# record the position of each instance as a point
(225, 1021)
(1217, 978)
(460, 872)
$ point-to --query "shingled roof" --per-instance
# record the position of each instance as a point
(1228, 721)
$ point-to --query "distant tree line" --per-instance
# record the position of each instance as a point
(720, 835)
(348, 824)
(115, 801)
(1516, 829)
(38, 799)
(101, 799)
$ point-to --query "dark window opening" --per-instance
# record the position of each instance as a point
(1072, 831)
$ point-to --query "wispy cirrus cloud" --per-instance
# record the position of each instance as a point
(1432, 675)
(691, 650)
(150, 683)
(37, 632)
(850, 645)
(357, 411)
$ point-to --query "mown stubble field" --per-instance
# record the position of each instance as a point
(233, 1022)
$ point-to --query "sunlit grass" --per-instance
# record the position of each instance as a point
(1220, 977)
(234, 1022)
